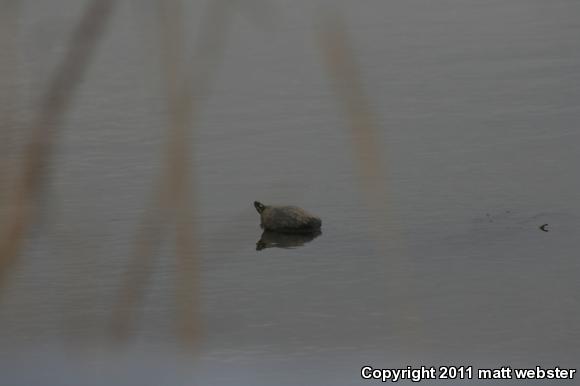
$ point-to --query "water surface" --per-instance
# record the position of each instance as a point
(477, 105)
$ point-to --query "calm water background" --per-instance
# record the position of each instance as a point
(478, 104)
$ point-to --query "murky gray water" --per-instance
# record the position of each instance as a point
(478, 105)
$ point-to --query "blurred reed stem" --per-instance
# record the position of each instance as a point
(345, 76)
(53, 105)
(346, 79)
(9, 16)
(178, 174)
(174, 200)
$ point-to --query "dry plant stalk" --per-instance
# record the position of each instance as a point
(345, 75)
(9, 14)
(53, 105)
(178, 173)
(174, 199)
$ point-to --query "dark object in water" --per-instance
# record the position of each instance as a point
(287, 219)
(544, 227)
(271, 239)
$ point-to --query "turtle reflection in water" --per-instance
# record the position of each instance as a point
(272, 239)
(280, 223)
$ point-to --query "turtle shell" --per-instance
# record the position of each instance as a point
(290, 219)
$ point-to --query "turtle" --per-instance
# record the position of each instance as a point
(287, 219)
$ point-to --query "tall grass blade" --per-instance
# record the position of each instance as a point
(53, 105)
(346, 77)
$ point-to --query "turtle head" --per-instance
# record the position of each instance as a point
(259, 206)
